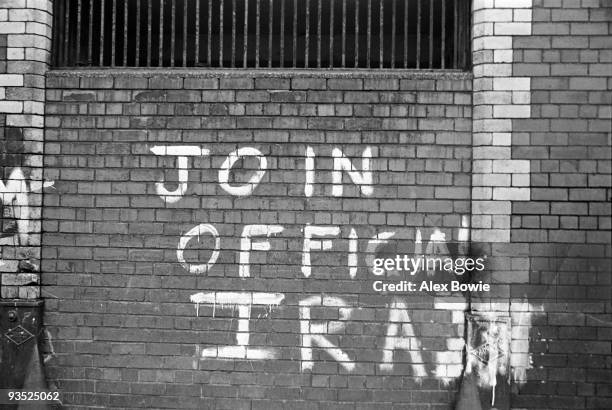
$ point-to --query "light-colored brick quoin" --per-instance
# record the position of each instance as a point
(499, 97)
(26, 25)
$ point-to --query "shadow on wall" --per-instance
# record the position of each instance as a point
(17, 208)
(11, 158)
(568, 342)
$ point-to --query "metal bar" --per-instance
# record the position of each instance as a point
(78, 37)
(66, 32)
(381, 22)
(369, 36)
(101, 33)
(114, 34)
(246, 32)
(294, 33)
(459, 34)
(356, 33)
(418, 48)
(431, 32)
(233, 59)
(319, 32)
(406, 33)
(331, 33)
(90, 35)
(270, 18)
(443, 24)
(197, 35)
(343, 33)
(125, 32)
(56, 31)
(58, 28)
(307, 33)
(137, 58)
(185, 33)
(282, 35)
(161, 33)
(257, 33)
(455, 34)
(149, 33)
(393, 34)
(221, 27)
(463, 32)
(208, 39)
(466, 35)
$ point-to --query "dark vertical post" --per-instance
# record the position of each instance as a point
(102, 33)
(393, 34)
(418, 48)
(197, 33)
(208, 38)
(114, 34)
(149, 33)
(295, 33)
(257, 33)
(125, 32)
(331, 33)
(221, 30)
(356, 33)
(58, 27)
(319, 32)
(90, 35)
(455, 30)
(282, 35)
(464, 35)
(246, 32)
(431, 32)
(343, 33)
(137, 57)
(381, 36)
(369, 36)
(78, 37)
(307, 34)
(65, 55)
(185, 33)
(406, 4)
(443, 24)
(270, 27)
(233, 60)
(161, 33)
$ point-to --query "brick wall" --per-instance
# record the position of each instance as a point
(25, 32)
(565, 228)
(153, 168)
(136, 317)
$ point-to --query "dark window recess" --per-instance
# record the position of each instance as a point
(422, 34)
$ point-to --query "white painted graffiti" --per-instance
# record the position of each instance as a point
(182, 152)
(249, 187)
(326, 336)
(312, 333)
(186, 238)
(243, 301)
(363, 178)
(314, 244)
(247, 244)
(14, 198)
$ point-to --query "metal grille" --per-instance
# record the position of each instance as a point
(421, 34)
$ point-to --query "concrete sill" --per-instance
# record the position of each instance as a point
(264, 73)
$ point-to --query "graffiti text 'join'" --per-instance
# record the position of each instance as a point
(341, 163)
